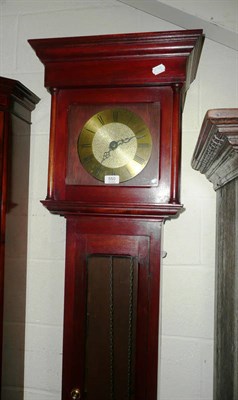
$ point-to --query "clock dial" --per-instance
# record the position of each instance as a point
(114, 142)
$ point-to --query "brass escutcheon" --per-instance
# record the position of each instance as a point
(75, 394)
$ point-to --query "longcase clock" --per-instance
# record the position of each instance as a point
(114, 174)
(16, 105)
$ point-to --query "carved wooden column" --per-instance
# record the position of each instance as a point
(216, 156)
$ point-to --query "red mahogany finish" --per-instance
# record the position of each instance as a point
(115, 69)
(113, 245)
(16, 105)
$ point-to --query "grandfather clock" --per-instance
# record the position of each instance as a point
(114, 172)
(16, 105)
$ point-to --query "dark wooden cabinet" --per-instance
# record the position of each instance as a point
(16, 105)
(116, 112)
(216, 156)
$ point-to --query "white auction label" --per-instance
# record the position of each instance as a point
(112, 179)
(158, 69)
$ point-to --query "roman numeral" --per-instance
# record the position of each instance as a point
(88, 158)
(139, 160)
(85, 145)
(127, 171)
(139, 131)
(115, 116)
(100, 119)
(143, 145)
(131, 119)
(89, 130)
(97, 170)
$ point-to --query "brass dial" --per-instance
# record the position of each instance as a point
(114, 143)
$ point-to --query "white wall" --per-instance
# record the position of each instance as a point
(188, 272)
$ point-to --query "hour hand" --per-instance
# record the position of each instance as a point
(106, 155)
(113, 145)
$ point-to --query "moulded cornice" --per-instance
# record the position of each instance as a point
(216, 152)
(118, 56)
(11, 89)
(66, 208)
(134, 44)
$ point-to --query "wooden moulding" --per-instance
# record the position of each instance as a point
(16, 98)
(216, 156)
(216, 152)
(121, 59)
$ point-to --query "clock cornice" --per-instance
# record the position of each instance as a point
(132, 57)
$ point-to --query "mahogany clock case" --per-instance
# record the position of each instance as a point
(113, 239)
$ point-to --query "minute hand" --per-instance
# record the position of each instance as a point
(126, 140)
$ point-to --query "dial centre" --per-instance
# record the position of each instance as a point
(113, 145)
(108, 145)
